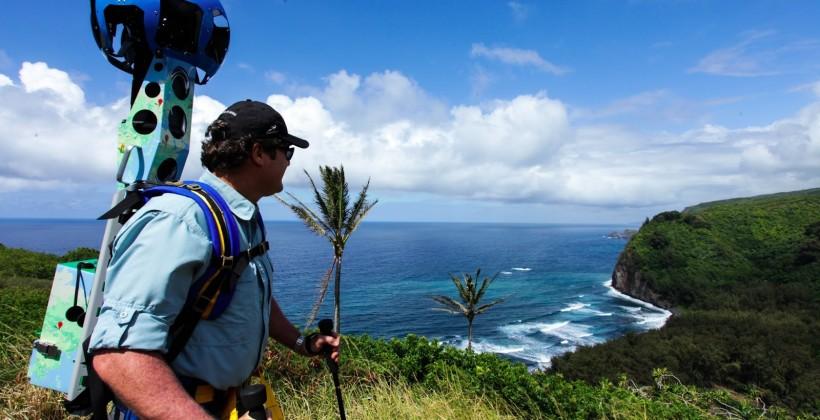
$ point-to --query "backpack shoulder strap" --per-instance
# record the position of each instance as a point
(211, 294)
(214, 289)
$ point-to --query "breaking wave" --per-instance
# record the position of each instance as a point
(648, 315)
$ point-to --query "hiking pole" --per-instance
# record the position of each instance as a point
(325, 328)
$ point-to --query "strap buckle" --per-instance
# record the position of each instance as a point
(227, 261)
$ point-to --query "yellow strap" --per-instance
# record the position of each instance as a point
(204, 394)
(217, 220)
(272, 404)
(275, 410)
(222, 241)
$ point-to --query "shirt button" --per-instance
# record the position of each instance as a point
(123, 314)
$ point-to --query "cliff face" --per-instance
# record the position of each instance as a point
(627, 279)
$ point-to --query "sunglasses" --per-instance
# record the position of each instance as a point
(288, 153)
(272, 148)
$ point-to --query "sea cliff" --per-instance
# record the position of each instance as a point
(628, 279)
(742, 278)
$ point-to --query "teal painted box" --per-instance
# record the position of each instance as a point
(56, 359)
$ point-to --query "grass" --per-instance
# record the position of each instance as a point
(391, 400)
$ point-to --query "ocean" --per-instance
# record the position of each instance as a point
(554, 279)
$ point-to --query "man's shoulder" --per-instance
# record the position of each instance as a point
(180, 207)
(172, 203)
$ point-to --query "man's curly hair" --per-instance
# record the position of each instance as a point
(220, 153)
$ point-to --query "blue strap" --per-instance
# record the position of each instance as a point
(122, 412)
(232, 235)
(233, 229)
(212, 229)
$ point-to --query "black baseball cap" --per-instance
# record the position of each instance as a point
(258, 120)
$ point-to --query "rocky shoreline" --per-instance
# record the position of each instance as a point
(627, 279)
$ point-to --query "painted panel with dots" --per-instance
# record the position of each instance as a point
(59, 346)
(153, 141)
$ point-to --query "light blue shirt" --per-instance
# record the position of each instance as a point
(157, 256)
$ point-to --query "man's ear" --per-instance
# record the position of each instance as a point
(257, 154)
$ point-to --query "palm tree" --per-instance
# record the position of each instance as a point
(470, 297)
(336, 220)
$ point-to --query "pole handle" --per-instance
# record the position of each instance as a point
(253, 398)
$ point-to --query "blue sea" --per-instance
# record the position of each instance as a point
(554, 279)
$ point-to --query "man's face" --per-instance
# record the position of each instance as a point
(274, 168)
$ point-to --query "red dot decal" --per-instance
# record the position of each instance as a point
(60, 324)
(159, 101)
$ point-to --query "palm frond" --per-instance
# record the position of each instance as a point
(450, 303)
(318, 199)
(484, 285)
(324, 285)
(460, 287)
(310, 211)
(361, 202)
(483, 308)
(313, 222)
(359, 217)
(449, 311)
(336, 196)
(344, 198)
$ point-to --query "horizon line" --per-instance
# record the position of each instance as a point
(79, 219)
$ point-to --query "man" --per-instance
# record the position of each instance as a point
(165, 247)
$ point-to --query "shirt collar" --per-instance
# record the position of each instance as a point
(240, 206)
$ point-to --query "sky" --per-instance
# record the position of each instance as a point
(603, 112)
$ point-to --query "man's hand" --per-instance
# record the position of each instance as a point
(321, 341)
(247, 416)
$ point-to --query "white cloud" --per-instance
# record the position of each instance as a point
(525, 149)
(758, 53)
(652, 108)
(378, 99)
(55, 139)
(480, 80)
(5, 60)
(206, 109)
(5, 80)
(635, 103)
(275, 77)
(519, 10)
(518, 57)
(53, 136)
(245, 66)
(64, 93)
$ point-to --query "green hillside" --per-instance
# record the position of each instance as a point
(743, 277)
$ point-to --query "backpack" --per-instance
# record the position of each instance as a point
(210, 294)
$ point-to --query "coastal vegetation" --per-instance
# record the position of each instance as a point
(335, 219)
(411, 377)
(742, 278)
(470, 295)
